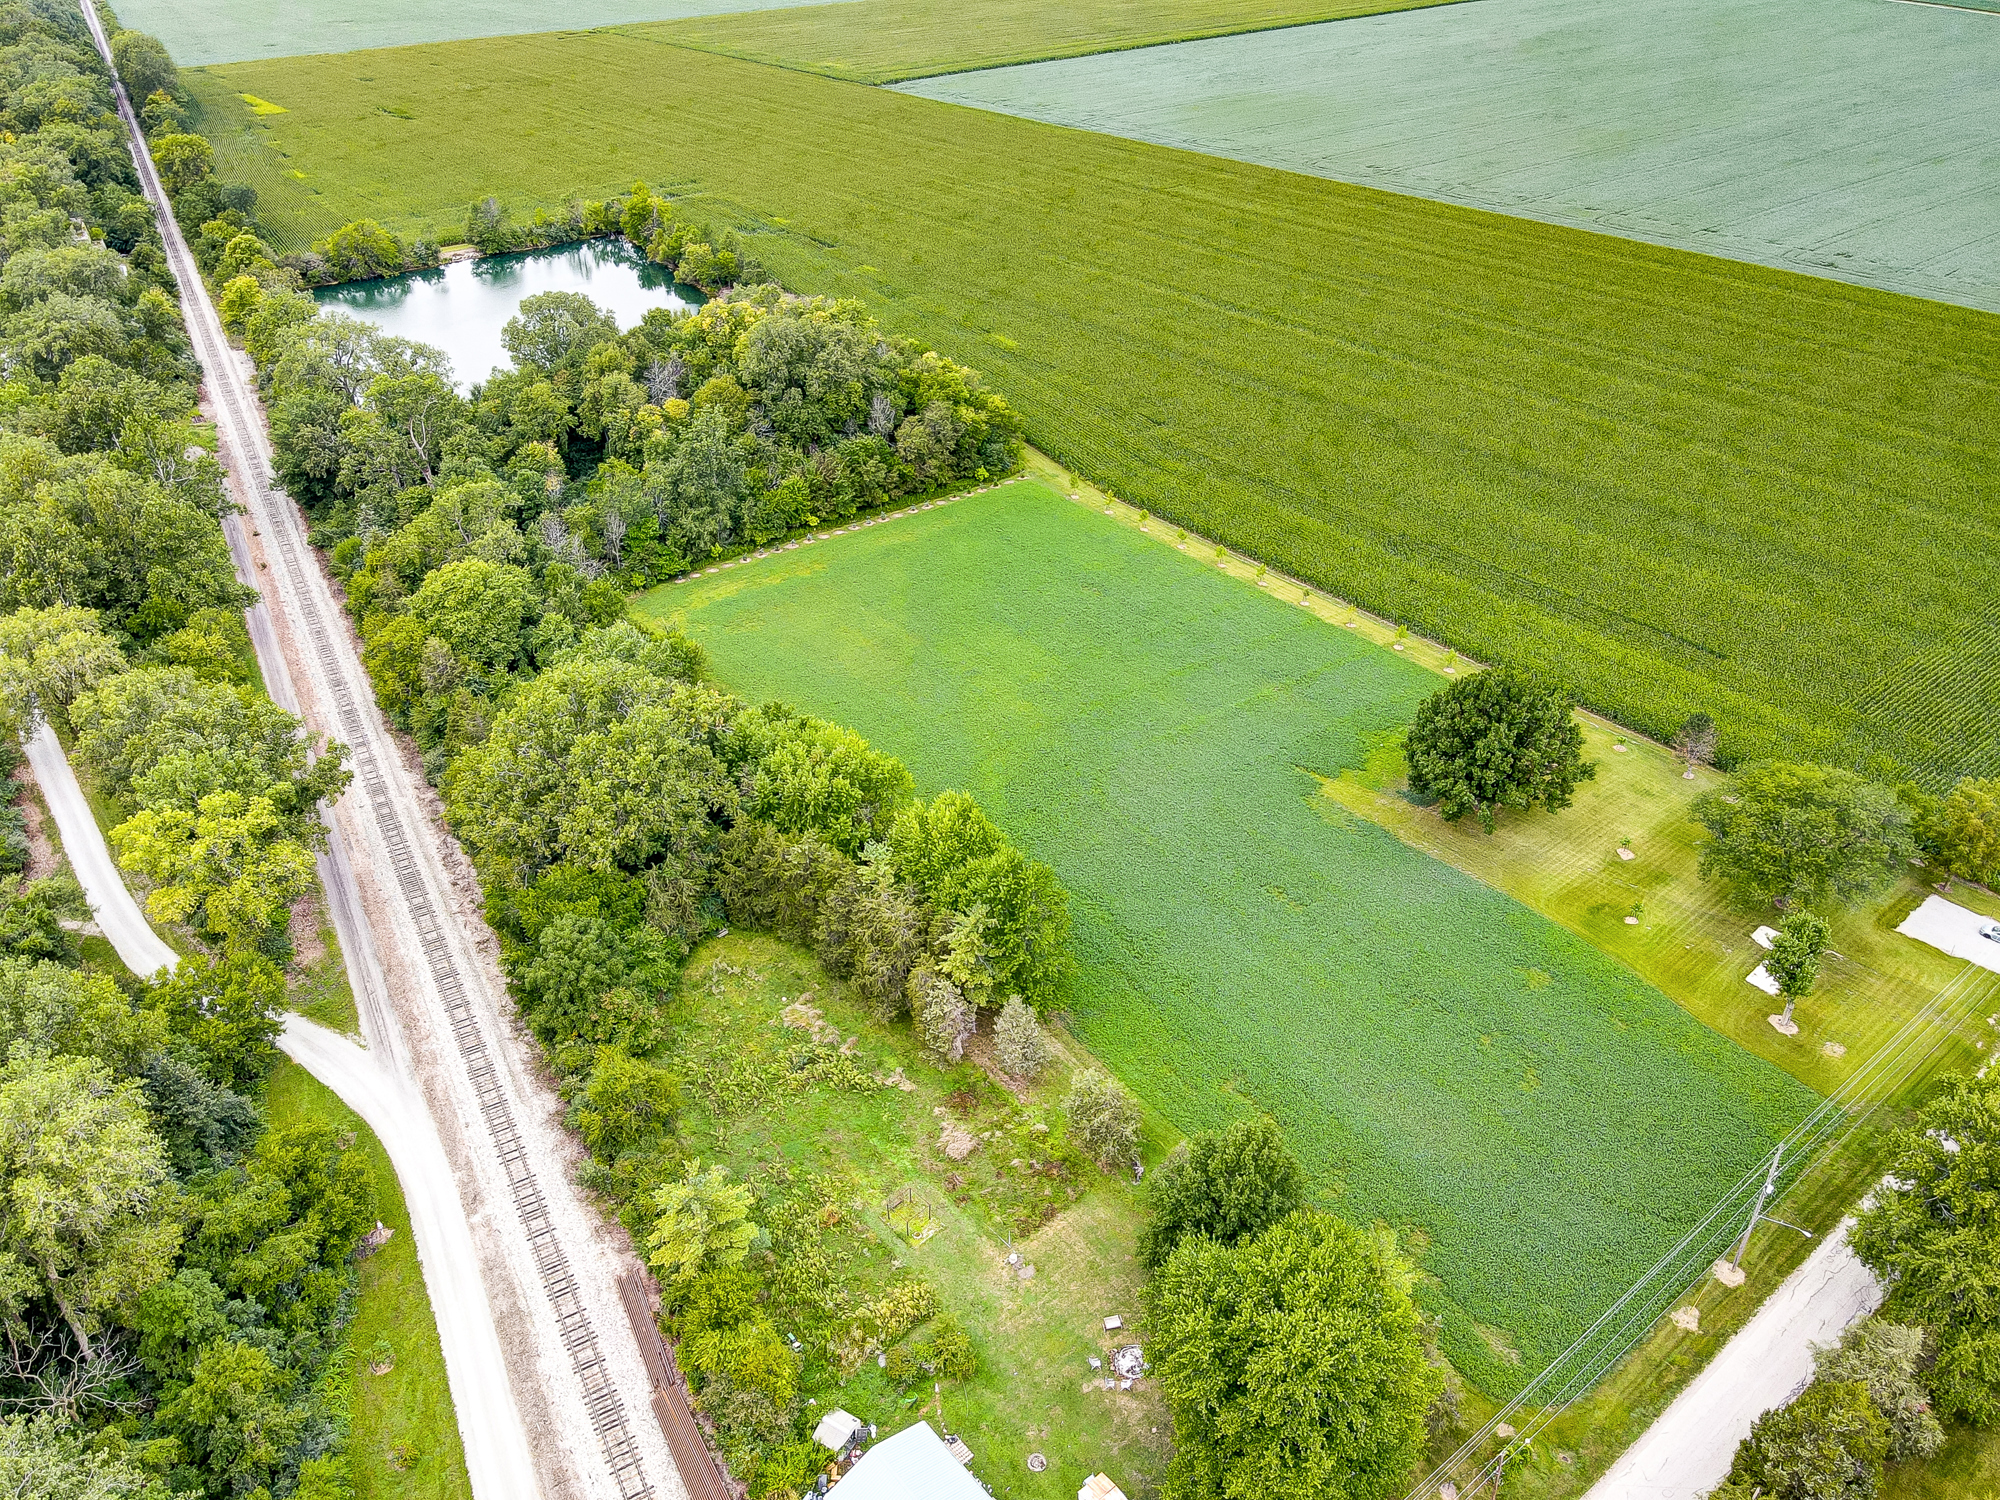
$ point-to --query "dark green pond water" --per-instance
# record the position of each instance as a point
(462, 308)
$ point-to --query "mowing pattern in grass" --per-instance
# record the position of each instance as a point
(1459, 1064)
(1680, 122)
(881, 41)
(1684, 483)
(404, 1442)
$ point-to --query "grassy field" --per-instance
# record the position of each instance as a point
(212, 31)
(883, 41)
(404, 1441)
(1442, 1058)
(1667, 477)
(860, 1149)
(1678, 123)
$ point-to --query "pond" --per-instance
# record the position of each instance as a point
(461, 308)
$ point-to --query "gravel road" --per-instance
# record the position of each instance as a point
(549, 1262)
(111, 904)
(1688, 1449)
(496, 1445)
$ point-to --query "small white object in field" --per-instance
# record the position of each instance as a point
(1399, 645)
(1763, 937)
(1761, 978)
(1688, 1319)
(1779, 1023)
(1504, 1431)
(1834, 1049)
(1687, 775)
(1451, 671)
(1621, 749)
(1631, 921)
(1113, 1324)
(1622, 853)
(1727, 1274)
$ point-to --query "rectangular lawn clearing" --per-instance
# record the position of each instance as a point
(1540, 1121)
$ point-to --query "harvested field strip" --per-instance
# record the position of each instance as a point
(881, 41)
(1846, 138)
(1442, 1058)
(1668, 478)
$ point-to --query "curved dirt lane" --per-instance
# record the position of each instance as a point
(496, 1445)
(111, 904)
(551, 1264)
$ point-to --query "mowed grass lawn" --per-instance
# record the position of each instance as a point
(1442, 1058)
(1684, 483)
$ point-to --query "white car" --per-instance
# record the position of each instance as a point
(1990, 930)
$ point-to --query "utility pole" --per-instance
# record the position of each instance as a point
(1763, 1197)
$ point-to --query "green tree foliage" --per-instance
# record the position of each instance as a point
(1795, 833)
(182, 161)
(230, 1011)
(1293, 1364)
(168, 738)
(143, 65)
(1497, 739)
(1965, 830)
(1827, 1445)
(1796, 953)
(627, 1104)
(703, 1220)
(818, 777)
(40, 1460)
(952, 852)
(231, 1418)
(48, 1007)
(725, 1331)
(360, 251)
(85, 1207)
(1932, 1234)
(49, 657)
(1889, 1359)
(1103, 1120)
(32, 916)
(226, 869)
(1227, 1187)
(554, 332)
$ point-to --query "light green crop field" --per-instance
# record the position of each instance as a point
(1683, 483)
(881, 41)
(1681, 122)
(1444, 1058)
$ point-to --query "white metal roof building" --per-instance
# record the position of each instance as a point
(915, 1464)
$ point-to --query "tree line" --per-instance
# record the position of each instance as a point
(174, 1274)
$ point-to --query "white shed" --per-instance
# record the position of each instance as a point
(915, 1464)
(836, 1429)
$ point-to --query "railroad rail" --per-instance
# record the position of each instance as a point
(282, 527)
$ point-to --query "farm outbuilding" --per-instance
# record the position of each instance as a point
(915, 1464)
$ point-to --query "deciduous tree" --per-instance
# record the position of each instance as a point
(701, 1221)
(1293, 1364)
(1803, 834)
(1497, 739)
(1229, 1188)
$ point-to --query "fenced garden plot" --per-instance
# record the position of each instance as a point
(1441, 1058)
(1668, 478)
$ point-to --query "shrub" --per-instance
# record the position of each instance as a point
(1018, 1040)
(1827, 1445)
(1103, 1120)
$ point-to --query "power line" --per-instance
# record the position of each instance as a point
(1577, 1370)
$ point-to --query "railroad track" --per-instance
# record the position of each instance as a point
(351, 709)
